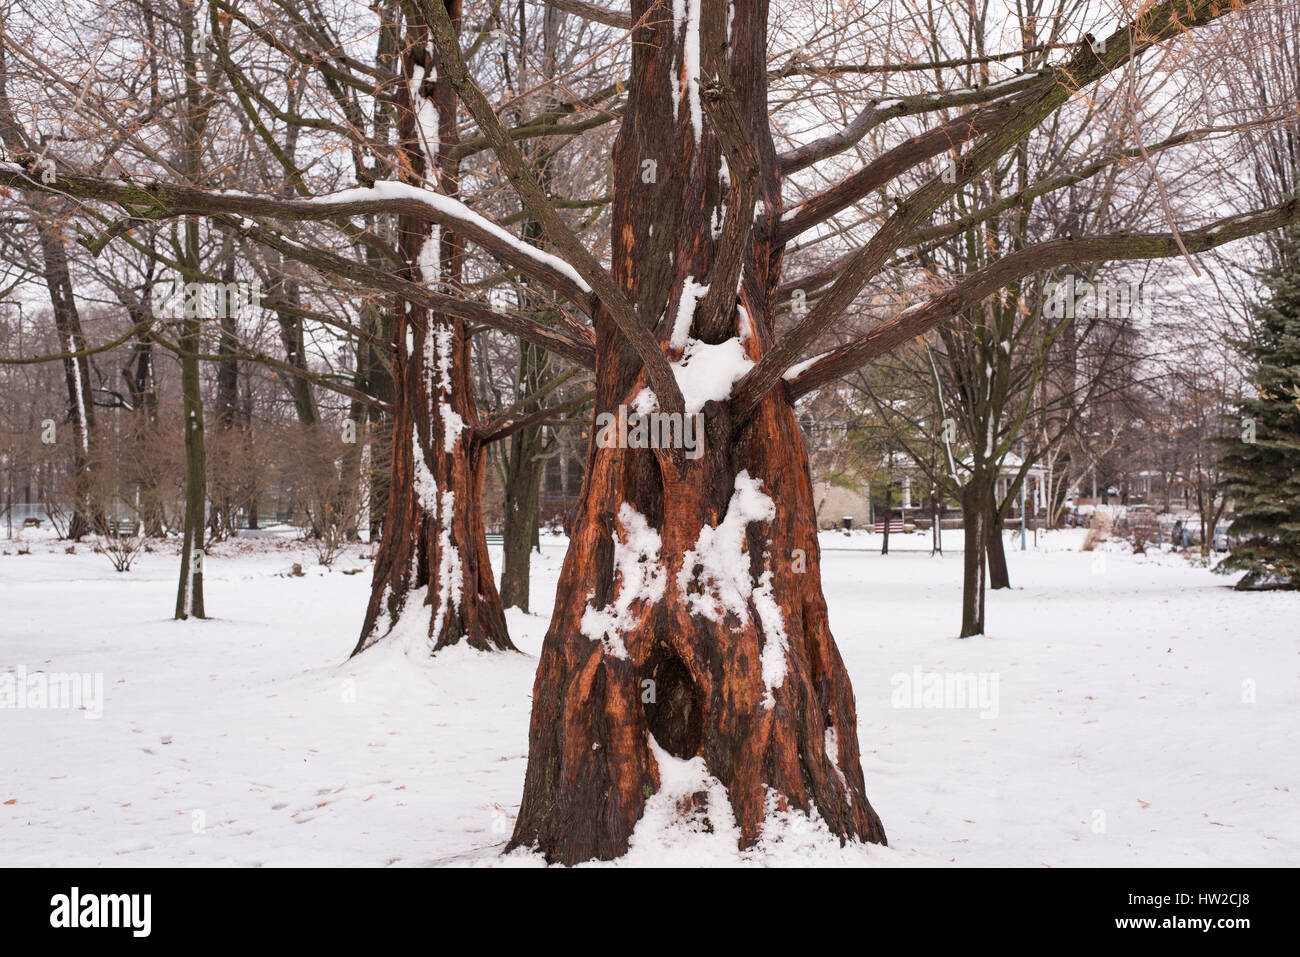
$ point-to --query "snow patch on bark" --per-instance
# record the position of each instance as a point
(687, 15)
(187, 582)
(450, 570)
(426, 485)
(641, 578)
(645, 402)
(428, 258)
(428, 132)
(444, 336)
(691, 64)
(452, 425)
(439, 347)
(717, 220)
(82, 427)
(720, 555)
(426, 118)
(706, 372)
(745, 324)
(799, 368)
(692, 293)
(725, 583)
(833, 753)
(775, 640)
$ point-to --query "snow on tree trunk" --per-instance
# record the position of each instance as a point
(434, 548)
(689, 620)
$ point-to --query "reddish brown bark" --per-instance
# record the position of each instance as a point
(433, 535)
(761, 733)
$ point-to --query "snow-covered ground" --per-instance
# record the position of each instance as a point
(1135, 710)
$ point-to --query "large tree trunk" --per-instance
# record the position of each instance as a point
(434, 538)
(689, 619)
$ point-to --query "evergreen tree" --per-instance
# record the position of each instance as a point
(1261, 467)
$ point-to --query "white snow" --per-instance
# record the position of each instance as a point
(426, 485)
(455, 211)
(645, 401)
(641, 580)
(717, 220)
(439, 345)
(775, 641)
(724, 582)
(720, 552)
(426, 124)
(451, 575)
(745, 324)
(706, 372)
(81, 399)
(799, 368)
(428, 258)
(692, 293)
(687, 15)
(1125, 732)
(426, 121)
(831, 743)
(453, 424)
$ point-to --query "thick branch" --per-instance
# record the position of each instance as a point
(163, 200)
(579, 351)
(1049, 255)
(1017, 118)
(878, 111)
(590, 11)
